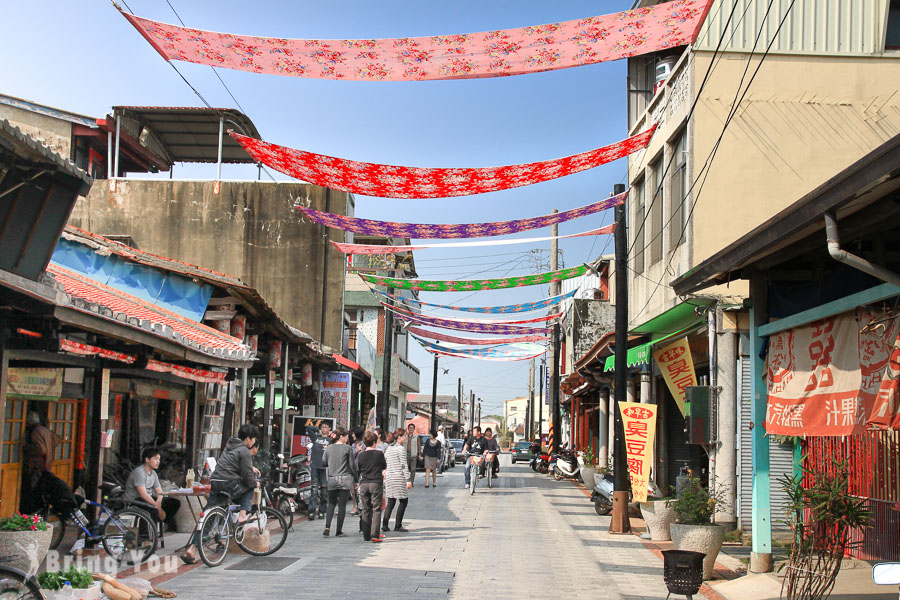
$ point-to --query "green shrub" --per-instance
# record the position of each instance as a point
(56, 580)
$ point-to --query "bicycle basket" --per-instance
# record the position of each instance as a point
(476, 460)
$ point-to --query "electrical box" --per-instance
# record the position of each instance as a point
(700, 409)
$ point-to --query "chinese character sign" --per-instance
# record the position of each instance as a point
(335, 397)
(824, 379)
(677, 366)
(886, 412)
(639, 421)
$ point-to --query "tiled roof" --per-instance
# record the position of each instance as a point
(94, 297)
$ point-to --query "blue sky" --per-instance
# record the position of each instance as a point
(85, 57)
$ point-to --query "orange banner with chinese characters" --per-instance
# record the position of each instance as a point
(823, 378)
(677, 366)
(886, 412)
(639, 421)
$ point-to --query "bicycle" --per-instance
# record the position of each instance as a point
(475, 461)
(15, 584)
(122, 532)
(489, 458)
(219, 524)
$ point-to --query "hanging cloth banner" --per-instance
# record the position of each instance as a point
(639, 422)
(471, 285)
(391, 181)
(544, 319)
(456, 56)
(469, 230)
(424, 333)
(506, 350)
(474, 327)
(481, 353)
(677, 366)
(376, 249)
(509, 308)
(823, 378)
(491, 358)
(886, 411)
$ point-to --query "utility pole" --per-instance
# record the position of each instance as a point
(529, 409)
(471, 409)
(459, 407)
(555, 443)
(433, 427)
(479, 412)
(620, 522)
(541, 405)
(385, 413)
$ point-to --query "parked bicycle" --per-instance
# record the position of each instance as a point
(218, 525)
(126, 533)
(15, 584)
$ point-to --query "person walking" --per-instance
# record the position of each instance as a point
(396, 480)
(444, 455)
(382, 443)
(432, 451)
(413, 451)
(356, 442)
(340, 473)
(320, 439)
(371, 487)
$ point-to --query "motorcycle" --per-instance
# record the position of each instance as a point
(602, 494)
(541, 462)
(568, 466)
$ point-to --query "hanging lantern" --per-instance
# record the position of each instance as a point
(306, 375)
(274, 356)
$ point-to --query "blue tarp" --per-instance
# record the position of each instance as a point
(170, 291)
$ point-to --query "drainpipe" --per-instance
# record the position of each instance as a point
(857, 262)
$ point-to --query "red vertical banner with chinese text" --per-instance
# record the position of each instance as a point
(677, 366)
(639, 421)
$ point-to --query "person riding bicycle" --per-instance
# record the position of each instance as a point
(492, 446)
(474, 446)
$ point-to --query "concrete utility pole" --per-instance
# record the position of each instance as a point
(479, 412)
(727, 421)
(433, 427)
(384, 416)
(529, 409)
(471, 409)
(556, 442)
(620, 522)
(541, 405)
(459, 407)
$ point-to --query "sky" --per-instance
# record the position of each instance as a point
(84, 57)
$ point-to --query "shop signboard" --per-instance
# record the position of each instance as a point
(334, 397)
(639, 422)
(35, 384)
(300, 428)
(677, 366)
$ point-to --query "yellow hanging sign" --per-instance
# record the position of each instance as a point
(677, 367)
(639, 421)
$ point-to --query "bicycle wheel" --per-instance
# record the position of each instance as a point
(59, 528)
(215, 536)
(130, 534)
(489, 473)
(474, 479)
(268, 521)
(284, 507)
(16, 585)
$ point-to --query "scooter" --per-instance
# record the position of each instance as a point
(568, 466)
(541, 462)
(602, 495)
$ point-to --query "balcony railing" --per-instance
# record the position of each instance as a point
(407, 375)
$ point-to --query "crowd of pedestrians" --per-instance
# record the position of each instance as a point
(374, 469)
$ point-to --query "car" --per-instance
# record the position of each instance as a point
(450, 456)
(521, 451)
(457, 446)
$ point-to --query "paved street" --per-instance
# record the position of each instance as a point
(528, 537)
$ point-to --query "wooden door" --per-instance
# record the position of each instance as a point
(62, 422)
(11, 459)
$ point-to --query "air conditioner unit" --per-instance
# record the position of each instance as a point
(701, 413)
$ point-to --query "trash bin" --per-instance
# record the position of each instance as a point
(683, 571)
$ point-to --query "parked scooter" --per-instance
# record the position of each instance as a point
(602, 495)
(540, 463)
(568, 466)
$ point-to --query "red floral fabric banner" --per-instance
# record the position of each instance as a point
(886, 412)
(460, 56)
(823, 378)
(376, 249)
(424, 333)
(466, 230)
(391, 181)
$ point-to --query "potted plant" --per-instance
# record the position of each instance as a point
(26, 540)
(658, 514)
(693, 528)
(83, 585)
(588, 470)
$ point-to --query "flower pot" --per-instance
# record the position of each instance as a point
(658, 515)
(26, 549)
(91, 593)
(699, 538)
(587, 476)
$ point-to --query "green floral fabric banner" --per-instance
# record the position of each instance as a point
(428, 285)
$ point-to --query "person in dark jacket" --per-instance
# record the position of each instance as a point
(235, 475)
(432, 451)
(340, 469)
(371, 466)
(321, 438)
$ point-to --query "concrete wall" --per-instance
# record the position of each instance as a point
(54, 133)
(249, 229)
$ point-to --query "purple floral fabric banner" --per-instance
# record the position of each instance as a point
(470, 230)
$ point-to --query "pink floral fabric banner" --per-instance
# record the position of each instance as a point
(442, 337)
(376, 249)
(392, 181)
(460, 56)
(466, 230)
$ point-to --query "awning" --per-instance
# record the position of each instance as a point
(640, 355)
(678, 317)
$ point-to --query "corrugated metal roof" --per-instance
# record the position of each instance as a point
(842, 27)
